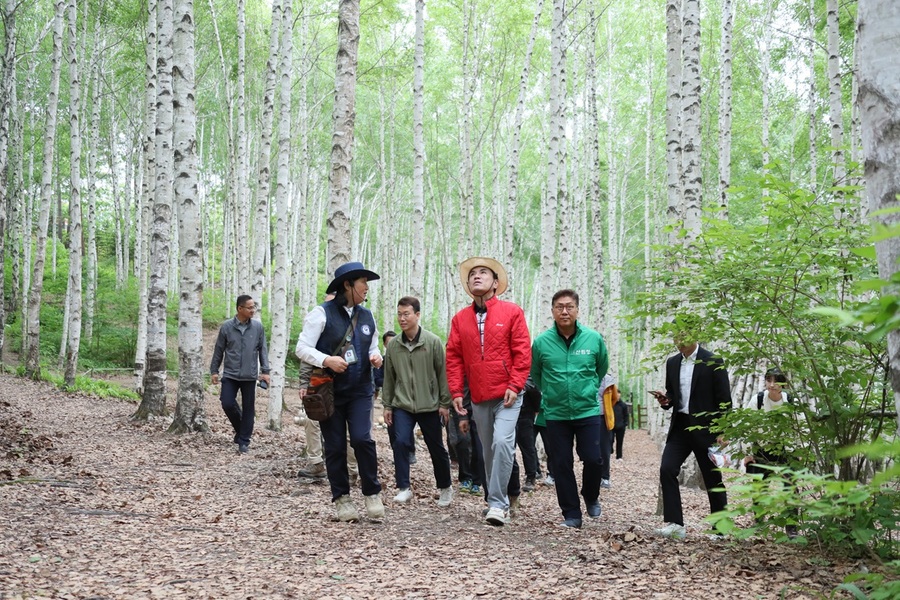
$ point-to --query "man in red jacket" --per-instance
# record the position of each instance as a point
(490, 348)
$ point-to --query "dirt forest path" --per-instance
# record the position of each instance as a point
(95, 506)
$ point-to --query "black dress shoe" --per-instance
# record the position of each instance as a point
(244, 448)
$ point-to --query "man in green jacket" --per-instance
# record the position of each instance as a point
(568, 361)
(415, 391)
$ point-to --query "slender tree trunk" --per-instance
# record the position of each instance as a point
(343, 117)
(765, 39)
(7, 94)
(189, 413)
(835, 99)
(675, 210)
(148, 192)
(725, 107)
(281, 256)
(90, 298)
(75, 235)
(594, 193)
(690, 125)
(154, 398)
(879, 99)
(553, 197)
(261, 219)
(811, 101)
(613, 206)
(33, 346)
(417, 275)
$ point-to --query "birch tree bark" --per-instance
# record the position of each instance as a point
(261, 214)
(343, 117)
(33, 335)
(690, 126)
(725, 88)
(90, 298)
(765, 39)
(7, 95)
(73, 294)
(675, 210)
(593, 189)
(148, 192)
(417, 274)
(153, 401)
(554, 195)
(281, 256)
(242, 205)
(515, 143)
(613, 204)
(835, 100)
(811, 101)
(879, 99)
(189, 413)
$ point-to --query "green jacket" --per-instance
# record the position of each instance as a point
(415, 374)
(569, 376)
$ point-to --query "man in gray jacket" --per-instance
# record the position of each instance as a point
(242, 346)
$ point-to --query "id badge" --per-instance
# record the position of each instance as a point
(350, 355)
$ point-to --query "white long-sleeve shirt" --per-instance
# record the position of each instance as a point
(313, 326)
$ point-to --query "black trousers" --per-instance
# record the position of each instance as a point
(525, 440)
(680, 444)
(616, 442)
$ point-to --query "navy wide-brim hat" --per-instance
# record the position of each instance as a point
(347, 272)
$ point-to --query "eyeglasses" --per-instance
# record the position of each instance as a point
(251, 308)
(569, 308)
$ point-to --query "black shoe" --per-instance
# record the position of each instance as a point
(529, 484)
(571, 523)
(243, 448)
(594, 510)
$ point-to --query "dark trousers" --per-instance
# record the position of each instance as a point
(462, 443)
(584, 435)
(525, 441)
(242, 416)
(617, 438)
(679, 445)
(353, 415)
(404, 443)
(605, 449)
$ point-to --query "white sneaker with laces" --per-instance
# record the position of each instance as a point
(403, 496)
(497, 516)
(672, 530)
(446, 497)
(604, 483)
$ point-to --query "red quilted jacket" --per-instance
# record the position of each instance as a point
(504, 361)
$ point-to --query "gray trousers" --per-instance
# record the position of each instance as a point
(497, 432)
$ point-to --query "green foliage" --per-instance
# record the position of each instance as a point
(752, 289)
(86, 385)
(842, 517)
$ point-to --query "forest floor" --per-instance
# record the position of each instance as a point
(93, 505)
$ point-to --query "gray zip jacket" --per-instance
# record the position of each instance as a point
(243, 348)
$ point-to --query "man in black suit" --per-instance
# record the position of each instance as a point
(697, 387)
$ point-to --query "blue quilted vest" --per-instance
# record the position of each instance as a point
(356, 381)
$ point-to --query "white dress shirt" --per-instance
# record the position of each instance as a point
(313, 326)
(685, 377)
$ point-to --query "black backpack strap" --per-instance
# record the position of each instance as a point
(759, 401)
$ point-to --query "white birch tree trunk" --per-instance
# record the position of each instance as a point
(675, 195)
(189, 413)
(417, 274)
(33, 336)
(812, 99)
(261, 213)
(725, 88)
(73, 293)
(90, 298)
(613, 204)
(690, 127)
(242, 205)
(343, 117)
(878, 22)
(7, 96)
(835, 100)
(148, 192)
(281, 330)
(514, 146)
(597, 280)
(765, 39)
(153, 401)
(553, 196)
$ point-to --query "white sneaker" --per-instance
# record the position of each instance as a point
(672, 530)
(548, 480)
(497, 516)
(403, 496)
(374, 507)
(604, 483)
(346, 512)
(446, 497)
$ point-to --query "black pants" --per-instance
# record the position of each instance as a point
(525, 441)
(616, 442)
(243, 416)
(584, 436)
(679, 445)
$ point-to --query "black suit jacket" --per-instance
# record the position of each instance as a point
(710, 388)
